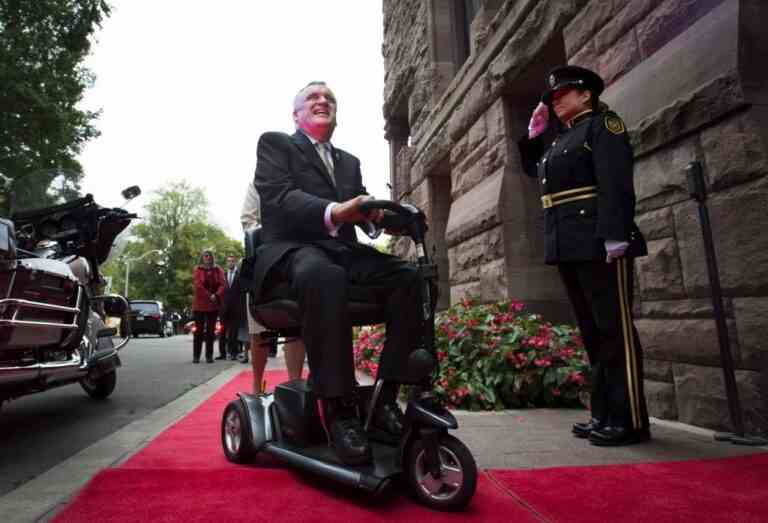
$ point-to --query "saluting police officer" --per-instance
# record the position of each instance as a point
(588, 197)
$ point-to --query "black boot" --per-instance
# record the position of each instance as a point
(582, 430)
(345, 431)
(615, 436)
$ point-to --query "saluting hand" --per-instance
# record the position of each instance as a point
(539, 121)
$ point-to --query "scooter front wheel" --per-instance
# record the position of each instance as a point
(236, 434)
(456, 481)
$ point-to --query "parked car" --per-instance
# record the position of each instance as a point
(148, 317)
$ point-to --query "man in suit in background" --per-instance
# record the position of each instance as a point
(311, 193)
(230, 312)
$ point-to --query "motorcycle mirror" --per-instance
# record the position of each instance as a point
(115, 306)
(131, 192)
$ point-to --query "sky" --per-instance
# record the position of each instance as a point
(186, 87)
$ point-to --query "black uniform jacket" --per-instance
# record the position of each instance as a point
(595, 151)
(295, 188)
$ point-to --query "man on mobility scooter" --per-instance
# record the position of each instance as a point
(309, 240)
(312, 195)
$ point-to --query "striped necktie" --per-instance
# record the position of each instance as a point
(323, 149)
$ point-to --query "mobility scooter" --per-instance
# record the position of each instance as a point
(438, 468)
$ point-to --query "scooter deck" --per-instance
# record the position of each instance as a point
(385, 462)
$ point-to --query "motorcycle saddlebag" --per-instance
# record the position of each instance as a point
(40, 303)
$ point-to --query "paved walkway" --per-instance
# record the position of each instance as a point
(531, 438)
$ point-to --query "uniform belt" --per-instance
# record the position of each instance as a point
(571, 195)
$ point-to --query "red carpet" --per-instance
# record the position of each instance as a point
(182, 476)
(719, 490)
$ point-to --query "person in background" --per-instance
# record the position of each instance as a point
(208, 279)
(588, 196)
(293, 349)
(230, 312)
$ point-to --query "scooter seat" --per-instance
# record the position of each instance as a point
(279, 309)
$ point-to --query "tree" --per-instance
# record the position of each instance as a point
(175, 224)
(42, 45)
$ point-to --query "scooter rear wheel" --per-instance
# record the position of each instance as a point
(236, 438)
(456, 483)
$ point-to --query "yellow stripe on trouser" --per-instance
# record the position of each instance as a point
(629, 343)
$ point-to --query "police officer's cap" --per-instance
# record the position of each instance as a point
(575, 77)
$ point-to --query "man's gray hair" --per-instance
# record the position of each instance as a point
(299, 98)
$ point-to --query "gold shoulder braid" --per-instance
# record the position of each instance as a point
(614, 124)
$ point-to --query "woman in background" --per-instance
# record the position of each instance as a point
(209, 285)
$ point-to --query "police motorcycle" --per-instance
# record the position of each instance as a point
(438, 469)
(54, 327)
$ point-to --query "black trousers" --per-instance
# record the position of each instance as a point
(601, 295)
(228, 341)
(320, 280)
(205, 329)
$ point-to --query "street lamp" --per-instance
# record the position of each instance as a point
(128, 267)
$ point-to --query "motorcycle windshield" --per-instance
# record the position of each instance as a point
(41, 190)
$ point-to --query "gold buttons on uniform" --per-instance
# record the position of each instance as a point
(543, 180)
(582, 212)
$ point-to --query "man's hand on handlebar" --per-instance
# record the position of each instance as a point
(349, 211)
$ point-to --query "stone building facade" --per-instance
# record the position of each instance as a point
(687, 76)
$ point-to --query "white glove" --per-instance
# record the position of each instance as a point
(539, 121)
(614, 250)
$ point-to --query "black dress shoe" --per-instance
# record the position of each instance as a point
(610, 436)
(389, 418)
(209, 360)
(582, 430)
(346, 433)
(222, 357)
(196, 360)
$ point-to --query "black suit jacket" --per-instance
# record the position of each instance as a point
(295, 188)
(231, 294)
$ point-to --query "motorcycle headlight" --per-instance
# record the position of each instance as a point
(7, 241)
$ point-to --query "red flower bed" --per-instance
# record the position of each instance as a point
(496, 356)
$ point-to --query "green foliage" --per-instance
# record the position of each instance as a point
(42, 45)
(495, 356)
(175, 224)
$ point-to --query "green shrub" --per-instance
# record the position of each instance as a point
(495, 356)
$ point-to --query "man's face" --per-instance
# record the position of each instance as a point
(317, 113)
(231, 262)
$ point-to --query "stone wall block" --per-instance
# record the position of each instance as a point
(659, 272)
(622, 22)
(701, 398)
(683, 341)
(493, 281)
(497, 158)
(660, 399)
(585, 24)
(471, 289)
(475, 211)
(734, 152)
(476, 136)
(660, 178)
(468, 175)
(668, 20)
(657, 370)
(752, 328)
(471, 108)
(483, 248)
(586, 57)
(695, 308)
(459, 150)
(496, 123)
(622, 56)
(715, 99)
(656, 224)
(740, 241)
